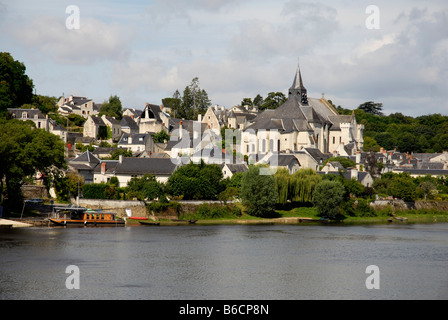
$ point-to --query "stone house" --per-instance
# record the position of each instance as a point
(114, 127)
(78, 105)
(92, 127)
(137, 142)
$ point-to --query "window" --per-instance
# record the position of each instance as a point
(334, 140)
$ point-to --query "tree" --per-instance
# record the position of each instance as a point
(25, 151)
(115, 155)
(273, 100)
(112, 108)
(195, 101)
(296, 187)
(45, 104)
(174, 104)
(401, 186)
(345, 162)
(370, 144)
(161, 136)
(247, 102)
(258, 192)
(371, 107)
(258, 101)
(145, 188)
(196, 181)
(386, 140)
(67, 186)
(372, 165)
(16, 88)
(328, 197)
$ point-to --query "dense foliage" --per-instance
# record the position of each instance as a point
(328, 197)
(258, 192)
(16, 88)
(296, 187)
(193, 102)
(25, 151)
(426, 133)
(112, 108)
(196, 182)
(145, 188)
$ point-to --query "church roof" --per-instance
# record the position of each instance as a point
(298, 83)
(293, 116)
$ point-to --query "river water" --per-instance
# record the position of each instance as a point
(272, 262)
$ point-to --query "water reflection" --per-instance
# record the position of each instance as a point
(225, 262)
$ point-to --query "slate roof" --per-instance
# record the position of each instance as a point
(86, 157)
(98, 121)
(153, 112)
(423, 171)
(235, 167)
(293, 116)
(140, 166)
(137, 138)
(128, 122)
(317, 155)
(17, 113)
(430, 165)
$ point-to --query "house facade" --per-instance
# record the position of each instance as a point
(35, 115)
(81, 106)
(137, 143)
(127, 168)
(92, 127)
(152, 119)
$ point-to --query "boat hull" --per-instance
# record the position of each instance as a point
(147, 223)
(67, 223)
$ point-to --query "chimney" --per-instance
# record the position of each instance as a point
(180, 130)
(200, 117)
(358, 157)
(354, 174)
(103, 168)
(120, 158)
(130, 139)
(146, 110)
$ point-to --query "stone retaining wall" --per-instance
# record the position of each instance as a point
(402, 205)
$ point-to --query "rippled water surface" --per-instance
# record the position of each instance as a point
(226, 262)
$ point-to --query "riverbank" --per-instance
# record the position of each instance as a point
(312, 219)
(296, 215)
(6, 224)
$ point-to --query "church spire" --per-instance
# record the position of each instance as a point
(298, 89)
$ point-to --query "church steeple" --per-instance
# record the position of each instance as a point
(298, 89)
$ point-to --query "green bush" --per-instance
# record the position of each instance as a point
(216, 211)
(160, 206)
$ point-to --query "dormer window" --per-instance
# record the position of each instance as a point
(24, 115)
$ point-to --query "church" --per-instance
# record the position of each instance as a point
(302, 122)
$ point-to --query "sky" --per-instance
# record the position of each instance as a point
(395, 53)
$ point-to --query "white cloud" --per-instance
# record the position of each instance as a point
(144, 51)
(94, 42)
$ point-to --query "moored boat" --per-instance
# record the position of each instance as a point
(148, 223)
(77, 216)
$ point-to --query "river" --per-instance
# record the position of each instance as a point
(247, 262)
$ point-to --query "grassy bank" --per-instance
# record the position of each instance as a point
(294, 215)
